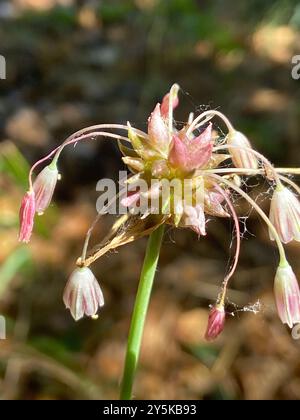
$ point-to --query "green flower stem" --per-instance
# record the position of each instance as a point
(140, 311)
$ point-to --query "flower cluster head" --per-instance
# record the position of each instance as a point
(182, 175)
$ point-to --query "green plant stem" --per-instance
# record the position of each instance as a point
(140, 311)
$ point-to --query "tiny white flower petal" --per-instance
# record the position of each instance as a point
(83, 294)
(285, 215)
(44, 187)
(240, 157)
(287, 295)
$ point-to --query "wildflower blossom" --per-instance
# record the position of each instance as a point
(287, 295)
(194, 154)
(285, 214)
(44, 186)
(82, 294)
(240, 150)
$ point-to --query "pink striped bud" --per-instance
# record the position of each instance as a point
(189, 154)
(285, 215)
(213, 204)
(241, 158)
(194, 218)
(216, 322)
(82, 294)
(287, 295)
(44, 186)
(27, 213)
(158, 132)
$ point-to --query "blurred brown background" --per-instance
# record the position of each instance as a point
(71, 64)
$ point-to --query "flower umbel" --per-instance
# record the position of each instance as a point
(82, 294)
(194, 153)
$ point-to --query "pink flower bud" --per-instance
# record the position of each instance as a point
(285, 215)
(241, 158)
(178, 155)
(166, 101)
(44, 186)
(27, 213)
(216, 322)
(158, 132)
(287, 295)
(194, 218)
(82, 294)
(189, 154)
(213, 204)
